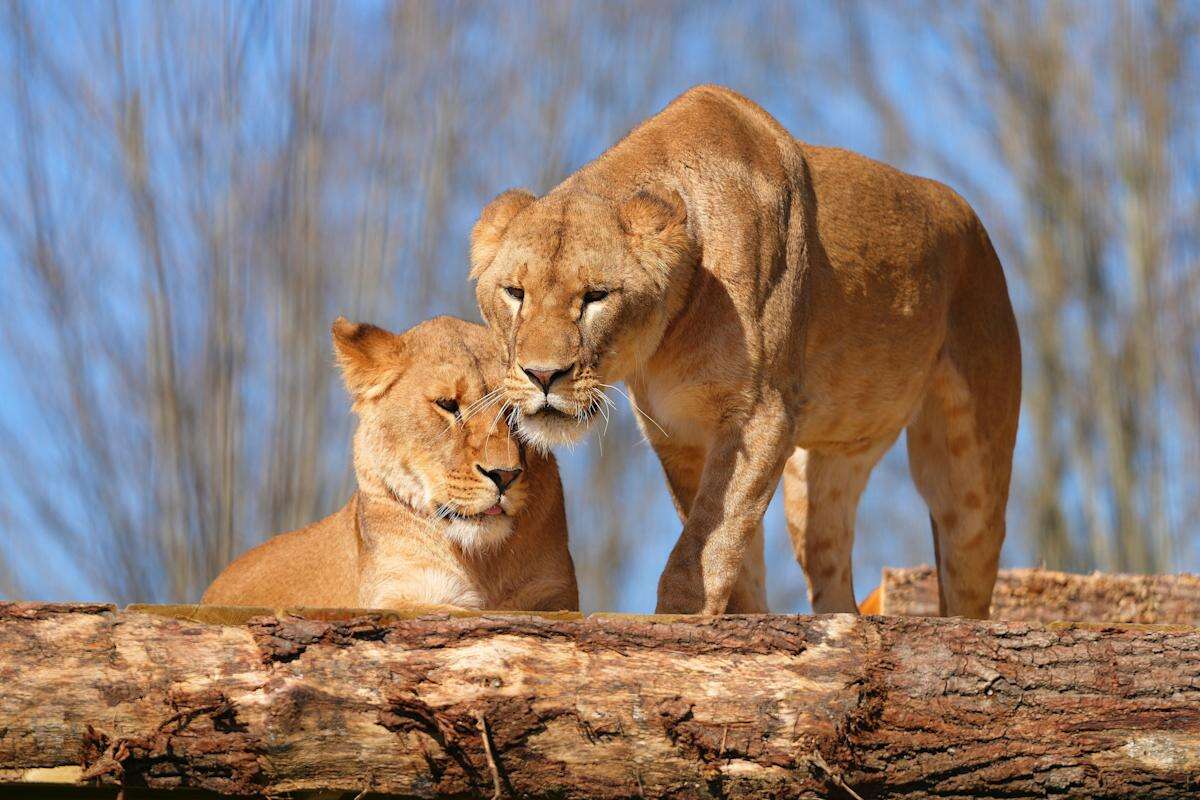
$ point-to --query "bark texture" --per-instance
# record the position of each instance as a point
(607, 706)
(1038, 595)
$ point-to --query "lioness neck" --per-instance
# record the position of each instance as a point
(405, 561)
(382, 522)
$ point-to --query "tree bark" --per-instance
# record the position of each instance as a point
(1038, 595)
(607, 706)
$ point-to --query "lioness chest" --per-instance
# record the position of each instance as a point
(681, 396)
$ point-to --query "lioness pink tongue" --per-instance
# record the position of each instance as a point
(494, 510)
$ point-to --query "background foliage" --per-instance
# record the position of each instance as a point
(191, 192)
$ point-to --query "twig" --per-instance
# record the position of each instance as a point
(815, 757)
(491, 759)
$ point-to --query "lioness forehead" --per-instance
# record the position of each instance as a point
(449, 335)
(466, 348)
(564, 241)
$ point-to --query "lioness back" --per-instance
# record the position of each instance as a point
(315, 566)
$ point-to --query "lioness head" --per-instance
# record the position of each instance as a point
(579, 290)
(429, 433)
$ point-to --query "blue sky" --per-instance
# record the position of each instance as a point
(706, 45)
(701, 52)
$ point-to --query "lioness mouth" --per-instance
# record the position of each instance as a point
(494, 510)
(550, 426)
(559, 414)
(551, 411)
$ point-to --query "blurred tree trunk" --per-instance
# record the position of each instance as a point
(1081, 109)
(193, 192)
(200, 190)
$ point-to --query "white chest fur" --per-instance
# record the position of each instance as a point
(382, 588)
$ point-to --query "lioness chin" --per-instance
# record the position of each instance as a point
(775, 309)
(450, 510)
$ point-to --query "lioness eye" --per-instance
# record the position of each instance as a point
(515, 292)
(594, 296)
(448, 405)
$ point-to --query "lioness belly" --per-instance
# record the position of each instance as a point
(844, 411)
(864, 382)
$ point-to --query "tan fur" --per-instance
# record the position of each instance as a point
(873, 604)
(770, 303)
(389, 547)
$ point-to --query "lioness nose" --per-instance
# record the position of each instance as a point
(503, 478)
(545, 377)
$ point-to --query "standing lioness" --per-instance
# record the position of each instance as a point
(450, 510)
(776, 309)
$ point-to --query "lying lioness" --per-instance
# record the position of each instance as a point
(775, 308)
(450, 510)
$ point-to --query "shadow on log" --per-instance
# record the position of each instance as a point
(604, 706)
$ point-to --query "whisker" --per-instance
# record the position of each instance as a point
(492, 426)
(604, 413)
(596, 405)
(483, 403)
(487, 396)
(602, 410)
(601, 407)
(635, 407)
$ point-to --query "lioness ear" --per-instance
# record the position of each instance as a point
(370, 357)
(649, 213)
(492, 223)
(657, 228)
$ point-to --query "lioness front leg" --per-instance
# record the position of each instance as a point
(740, 474)
(683, 466)
(551, 593)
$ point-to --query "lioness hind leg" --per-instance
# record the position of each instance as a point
(821, 490)
(960, 456)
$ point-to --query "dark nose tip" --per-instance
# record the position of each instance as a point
(503, 478)
(546, 377)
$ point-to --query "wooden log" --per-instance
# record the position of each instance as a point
(607, 706)
(1038, 595)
